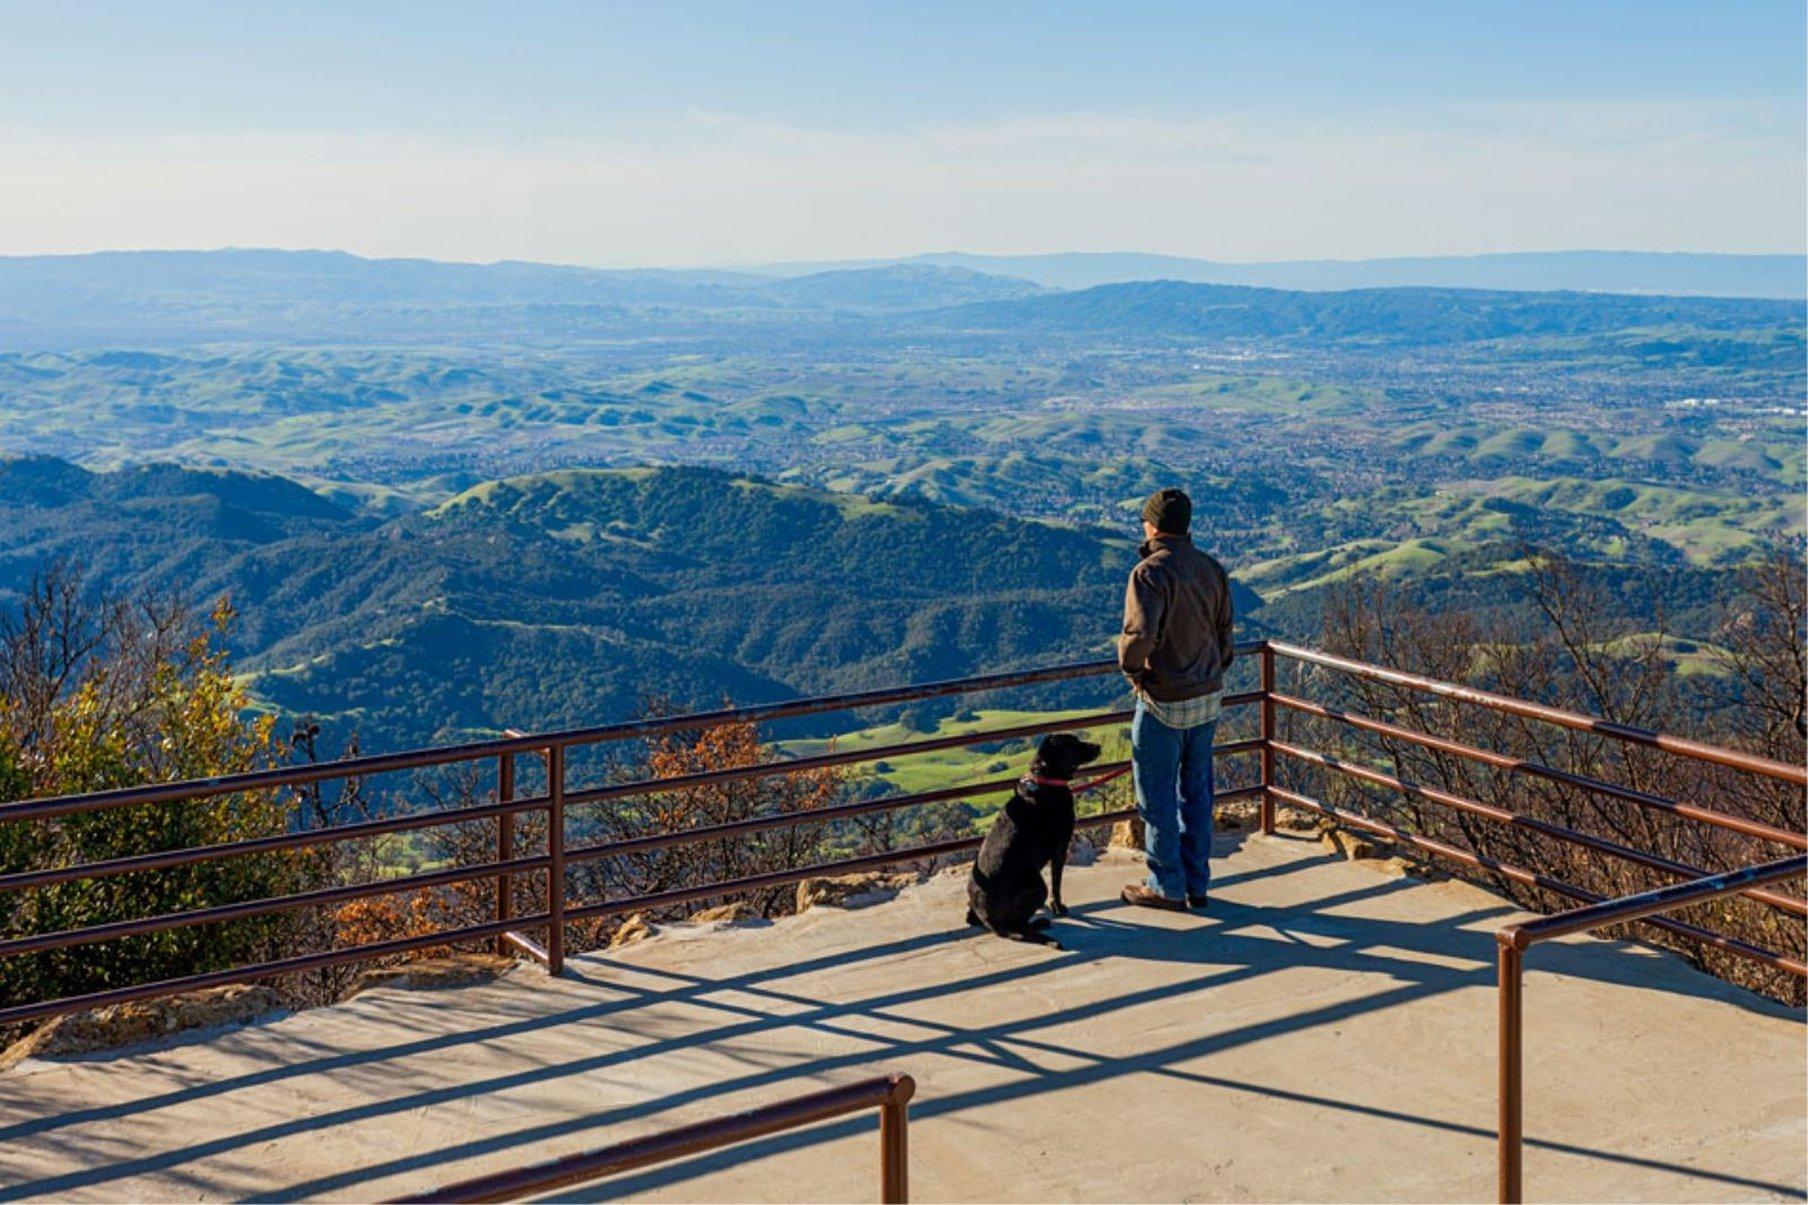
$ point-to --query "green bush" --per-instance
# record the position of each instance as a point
(101, 695)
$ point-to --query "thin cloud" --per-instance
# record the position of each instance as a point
(705, 187)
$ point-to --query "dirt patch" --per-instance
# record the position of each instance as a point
(434, 974)
(138, 1021)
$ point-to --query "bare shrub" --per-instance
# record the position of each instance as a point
(1578, 652)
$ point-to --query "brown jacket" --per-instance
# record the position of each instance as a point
(1177, 622)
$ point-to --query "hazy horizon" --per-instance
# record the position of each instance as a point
(921, 253)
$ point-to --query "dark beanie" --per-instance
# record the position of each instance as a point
(1170, 510)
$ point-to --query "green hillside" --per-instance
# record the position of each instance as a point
(559, 598)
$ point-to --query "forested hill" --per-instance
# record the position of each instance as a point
(1394, 315)
(571, 597)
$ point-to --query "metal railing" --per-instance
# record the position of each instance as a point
(890, 1094)
(1515, 940)
(1644, 907)
(509, 930)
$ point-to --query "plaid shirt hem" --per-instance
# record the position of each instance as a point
(1184, 713)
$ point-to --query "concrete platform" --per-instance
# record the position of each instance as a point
(1325, 1033)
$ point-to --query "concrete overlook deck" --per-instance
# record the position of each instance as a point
(1325, 1032)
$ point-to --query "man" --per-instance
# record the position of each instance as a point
(1175, 648)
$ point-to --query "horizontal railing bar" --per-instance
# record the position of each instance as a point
(381, 763)
(1646, 904)
(1580, 721)
(1530, 878)
(163, 860)
(823, 761)
(263, 970)
(307, 838)
(1513, 819)
(114, 930)
(780, 878)
(677, 1143)
(1737, 824)
(840, 811)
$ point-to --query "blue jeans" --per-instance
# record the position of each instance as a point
(1173, 777)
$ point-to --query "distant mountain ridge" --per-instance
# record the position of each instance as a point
(1428, 316)
(176, 298)
(1671, 273)
(122, 297)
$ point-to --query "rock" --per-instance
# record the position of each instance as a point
(1234, 818)
(433, 974)
(1081, 852)
(1127, 834)
(635, 928)
(141, 1020)
(1348, 844)
(1297, 820)
(1415, 869)
(855, 890)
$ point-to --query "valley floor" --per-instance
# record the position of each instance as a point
(1325, 1032)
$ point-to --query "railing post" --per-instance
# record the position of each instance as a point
(894, 1142)
(1268, 737)
(1510, 1133)
(555, 857)
(505, 845)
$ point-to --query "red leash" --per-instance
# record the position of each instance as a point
(1076, 788)
(1101, 780)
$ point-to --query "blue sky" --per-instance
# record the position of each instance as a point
(690, 133)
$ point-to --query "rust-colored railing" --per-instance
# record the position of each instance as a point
(1645, 907)
(1515, 940)
(511, 931)
(890, 1094)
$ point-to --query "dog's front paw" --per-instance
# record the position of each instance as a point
(1058, 908)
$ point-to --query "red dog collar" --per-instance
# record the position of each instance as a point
(1040, 780)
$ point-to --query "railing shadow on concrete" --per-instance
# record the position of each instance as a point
(511, 931)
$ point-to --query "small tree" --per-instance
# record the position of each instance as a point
(1574, 648)
(99, 693)
(724, 747)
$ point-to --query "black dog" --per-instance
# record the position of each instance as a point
(1031, 832)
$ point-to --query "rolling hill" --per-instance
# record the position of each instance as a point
(568, 597)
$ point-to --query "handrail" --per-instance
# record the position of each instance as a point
(890, 1094)
(1519, 765)
(1515, 939)
(413, 759)
(1699, 750)
(1783, 903)
(509, 933)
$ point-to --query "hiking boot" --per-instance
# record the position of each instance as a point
(1198, 903)
(1142, 897)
